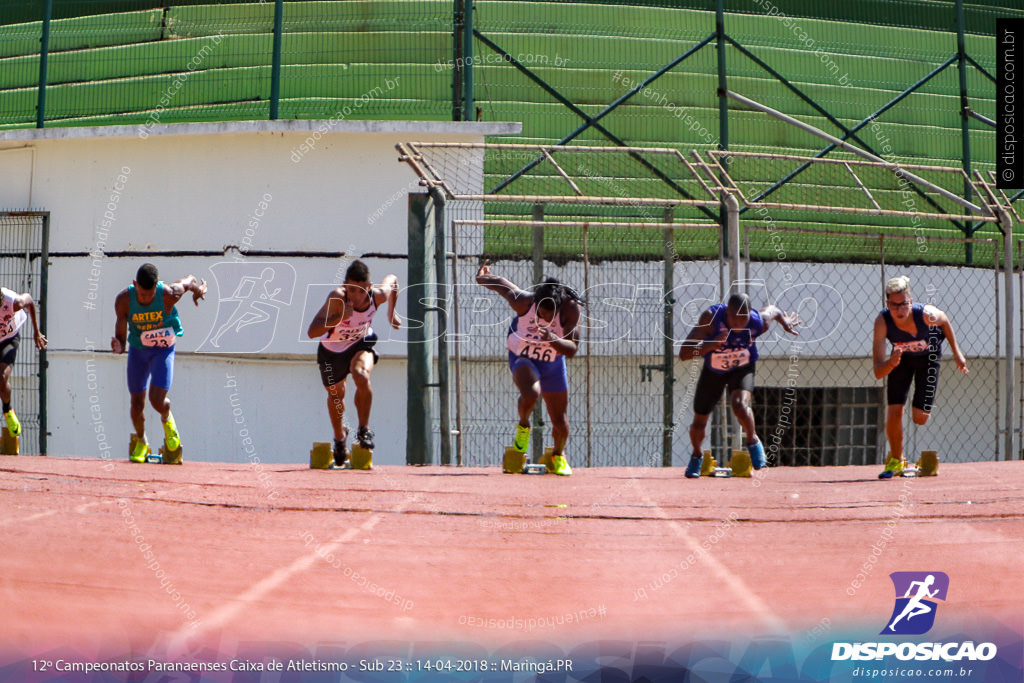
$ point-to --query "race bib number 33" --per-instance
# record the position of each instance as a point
(729, 360)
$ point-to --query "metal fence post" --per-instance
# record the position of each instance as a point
(441, 308)
(44, 55)
(467, 62)
(419, 442)
(275, 69)
(668, 304)
(537, 439)
(1006, 224)
(44, 285)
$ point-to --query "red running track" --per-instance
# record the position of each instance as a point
(146, 556)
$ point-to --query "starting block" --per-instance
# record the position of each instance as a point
(739, 463)
(321, 456)
(928, 465)
(543, 464)
(9, 445)
(361, 458)
(513, 462)
(169, 457)
(707, 465)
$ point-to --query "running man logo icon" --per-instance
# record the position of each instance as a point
(247, 317)
(916, 595)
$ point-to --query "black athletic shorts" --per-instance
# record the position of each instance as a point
(711, 384)
(9, 349)
(334, 367)
(923, 371)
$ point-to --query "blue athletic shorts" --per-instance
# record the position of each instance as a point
(149, 362)
(553, 377)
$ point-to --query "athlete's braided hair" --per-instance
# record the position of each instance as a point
(553, 292)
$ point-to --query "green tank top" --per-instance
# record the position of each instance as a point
(149, 326)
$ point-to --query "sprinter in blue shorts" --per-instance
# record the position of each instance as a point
(147, 327)
(724, 336)
(916, 332)
(544, 333)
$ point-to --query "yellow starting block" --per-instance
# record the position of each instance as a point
(322, 455)
(928, 465)
(170, 457)
(513, 462)
(9, 445)
(707, 465)
(740, 464)
(361, 458)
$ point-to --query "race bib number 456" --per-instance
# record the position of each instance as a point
(545, 354)
(160, 338)
(729, 360)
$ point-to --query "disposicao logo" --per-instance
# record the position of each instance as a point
(917, 594)
(914, 612)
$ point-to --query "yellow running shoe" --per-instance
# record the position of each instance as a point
(522, 440)
(560, 466)
(171, 437)
(13, 426)
(894, 467)
(139, 451)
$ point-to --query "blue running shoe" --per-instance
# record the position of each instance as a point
(757, 458)
(693, 469)
(893, 466)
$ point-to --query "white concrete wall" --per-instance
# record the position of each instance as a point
(202, 191)
(194, 190)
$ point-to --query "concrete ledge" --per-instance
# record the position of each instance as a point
(324, 126)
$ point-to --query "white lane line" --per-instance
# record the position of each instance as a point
(739, 587)
(228, 611)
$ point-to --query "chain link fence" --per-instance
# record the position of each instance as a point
(23, 268)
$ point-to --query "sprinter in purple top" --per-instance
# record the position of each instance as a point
(724, 337)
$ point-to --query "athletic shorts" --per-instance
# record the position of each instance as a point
(147, 362)
(553, 376)
(9, 349)
(334, 367)
(710, 385)
(923, 371)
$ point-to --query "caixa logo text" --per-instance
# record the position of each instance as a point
(948, 652)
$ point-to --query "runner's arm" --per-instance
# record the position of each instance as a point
(119, 342)
(697, 343)
(25, 301)
(329, 315)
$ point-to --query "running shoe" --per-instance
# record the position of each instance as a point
(892, 468)
(560, 466)
(757, 459)
(340, 455)
(365, 438)
(139, 451)
(13, 426)
(171, 437)
(522, 440)
(693, 469)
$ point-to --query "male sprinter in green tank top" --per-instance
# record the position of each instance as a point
(148, 326)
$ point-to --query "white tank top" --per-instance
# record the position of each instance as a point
(10, 321)
(524, 335)
(346, 333)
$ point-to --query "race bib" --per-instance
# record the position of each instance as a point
(347, 335)
(161, 338)
(913, 346)
(544, 354)
(730, 360)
